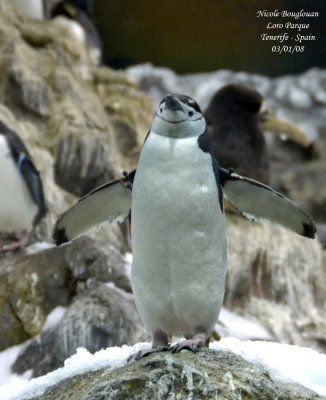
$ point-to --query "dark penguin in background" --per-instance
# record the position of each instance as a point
(236, 127)
(21, 193)
(79, 14)
(175, 198)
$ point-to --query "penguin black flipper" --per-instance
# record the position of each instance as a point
(27, 168)
(34, 184)
(108, 203)
(258, 201)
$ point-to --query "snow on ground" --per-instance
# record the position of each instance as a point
(232, 324)
(82, 361)
(7, 358)
(38, 246)
(284, 362)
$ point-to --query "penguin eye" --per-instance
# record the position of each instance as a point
(190, 113)
(161, 109)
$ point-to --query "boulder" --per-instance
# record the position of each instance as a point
(97, 318)
(35, 281)
(276, 277)
(209, 374)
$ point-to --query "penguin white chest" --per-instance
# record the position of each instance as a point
(17, 208)
(178, 237)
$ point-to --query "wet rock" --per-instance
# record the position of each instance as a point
(98, 318)
(209, 374)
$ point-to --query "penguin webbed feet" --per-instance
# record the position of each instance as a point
(146, 352)
(193, 344)
(22, 242)
(160, 342)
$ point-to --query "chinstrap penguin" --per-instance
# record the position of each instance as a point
(22, 203)
(175, 198)
(236, 126)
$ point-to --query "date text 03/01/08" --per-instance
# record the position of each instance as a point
(287, 49)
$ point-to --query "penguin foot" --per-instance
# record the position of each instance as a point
(159, 343)
(146, 352)
(199, 340)
(16, 245)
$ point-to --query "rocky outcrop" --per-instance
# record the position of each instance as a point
(97, 318)
(82, 114)
(35, 281)
(276, 277)
(209, 374)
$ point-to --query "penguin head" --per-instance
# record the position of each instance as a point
(234, 100)
(179, 116)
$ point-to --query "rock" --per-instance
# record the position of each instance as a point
(209, 374)
(80, 112)
(32, 287)
(73, 116)
(98, 318)
(276, 277)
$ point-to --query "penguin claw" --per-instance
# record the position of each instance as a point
(146, 352)
(188, 344)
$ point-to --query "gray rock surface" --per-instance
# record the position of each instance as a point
(76, 109)
(276, 277)
(209, 374)
(98, 318)
(35, 281)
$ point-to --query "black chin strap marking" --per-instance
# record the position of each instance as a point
(178, 122)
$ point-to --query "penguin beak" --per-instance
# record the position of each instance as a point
(271, 124)
(172, 104)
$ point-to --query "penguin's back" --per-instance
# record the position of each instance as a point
(178, 237)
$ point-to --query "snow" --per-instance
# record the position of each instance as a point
(128, 263)
(39, 246)
(82, 361)
(283, 362)
(7, 358)
(231, 324)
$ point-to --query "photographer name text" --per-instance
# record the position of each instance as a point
(291, 33)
